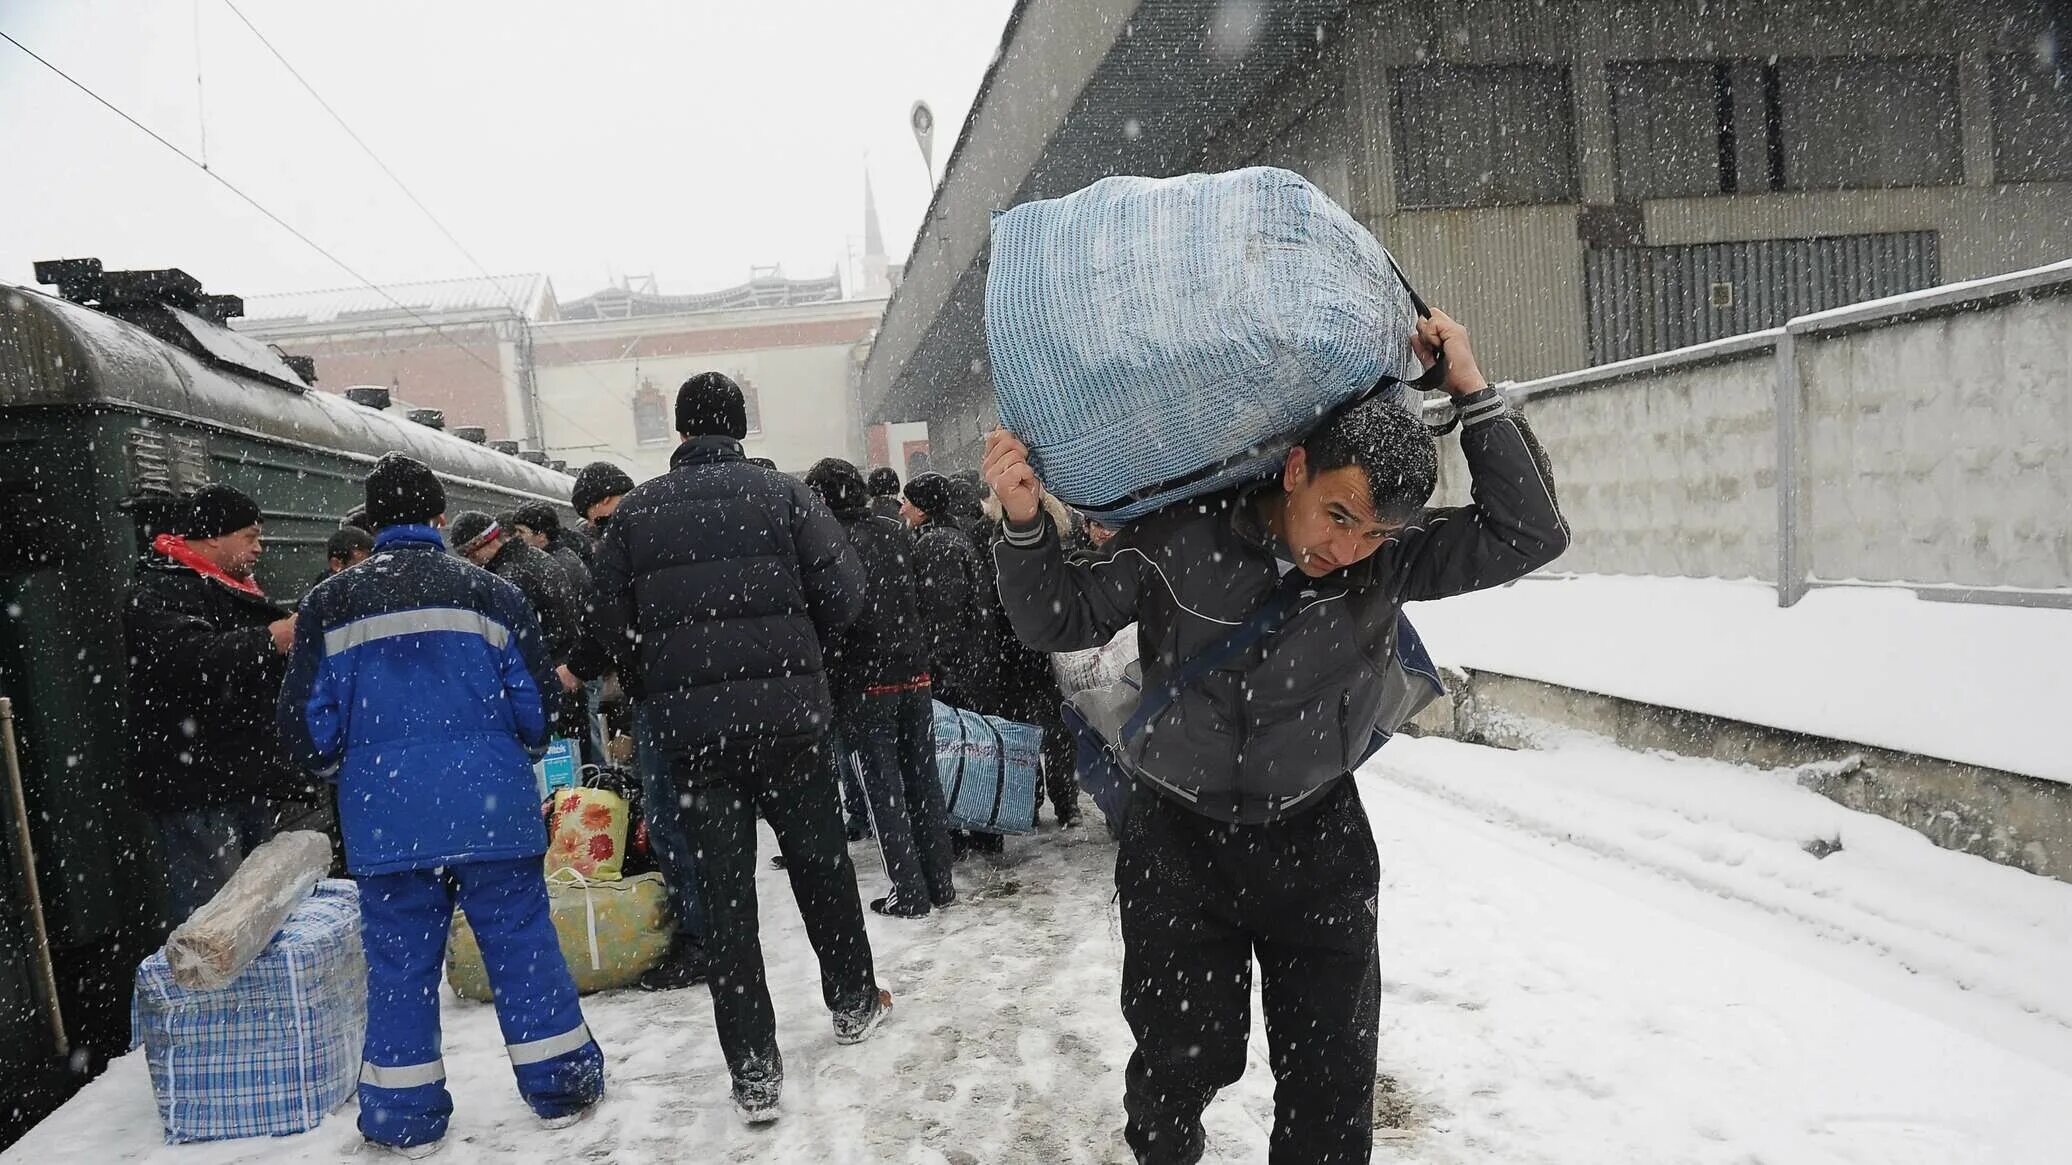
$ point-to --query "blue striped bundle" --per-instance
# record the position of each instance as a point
(988, 768)
(276, 1048)
(1156, 339)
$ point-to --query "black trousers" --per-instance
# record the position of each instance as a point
(1200, 900)
(888, 743)
(795, 790)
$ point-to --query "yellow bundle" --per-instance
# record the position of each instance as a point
(610, 933)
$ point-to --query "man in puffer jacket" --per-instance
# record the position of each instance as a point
(951, 576)
(884, 719)
(726, 578)
(415, 683)
(1244, 834)
(207, 652)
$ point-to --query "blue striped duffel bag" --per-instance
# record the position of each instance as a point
(1152, 340)
(275, 1049)
(988, 768)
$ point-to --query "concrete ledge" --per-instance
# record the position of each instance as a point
(2004, 817)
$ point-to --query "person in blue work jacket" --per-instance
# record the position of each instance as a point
(415, 683)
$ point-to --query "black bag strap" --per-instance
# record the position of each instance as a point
(1279, 606)
(957, 782)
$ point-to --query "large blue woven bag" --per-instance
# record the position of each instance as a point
(1157, 339)
(989, 768)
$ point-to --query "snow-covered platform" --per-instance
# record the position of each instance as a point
(1971, 683)
(1588, 955)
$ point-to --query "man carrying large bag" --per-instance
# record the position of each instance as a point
(415, 682)
(1244, 834)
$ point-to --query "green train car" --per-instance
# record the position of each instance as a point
(120, 395)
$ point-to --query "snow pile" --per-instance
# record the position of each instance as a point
(1983, 685)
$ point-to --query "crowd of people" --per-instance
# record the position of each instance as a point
(767, 646)
(774, 644)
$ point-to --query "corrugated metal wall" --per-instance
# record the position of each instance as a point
(1651, 299)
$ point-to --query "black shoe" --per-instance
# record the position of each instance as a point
(947, 899)
(1069, 818)
(855, 1027)
(756, 1091)
(892, 906)
(684, 966)
(777, 863)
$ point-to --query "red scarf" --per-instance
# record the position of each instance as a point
(175, 547)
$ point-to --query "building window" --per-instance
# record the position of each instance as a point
(1475, 135)
(752, 404)
(1673, 128)
(2032, 120)
(651, 420)
(1864, 122)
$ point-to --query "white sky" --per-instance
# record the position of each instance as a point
(688, 139)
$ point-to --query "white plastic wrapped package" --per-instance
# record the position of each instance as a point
(276, 1048)
(214, 944)
(1096, 667)
(1156, 339)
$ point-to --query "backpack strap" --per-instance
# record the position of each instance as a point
(1279, 606)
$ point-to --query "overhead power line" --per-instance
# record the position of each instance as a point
(285, 225)
(419, 203)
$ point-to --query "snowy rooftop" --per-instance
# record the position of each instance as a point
(531, 296)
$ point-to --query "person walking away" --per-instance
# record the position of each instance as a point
(416, 680)
(1244, 836)
(948, 575)
(884, 488)
(879, 680)
(207, 651)
(728, 577)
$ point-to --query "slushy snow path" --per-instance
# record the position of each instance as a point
(1588, 955)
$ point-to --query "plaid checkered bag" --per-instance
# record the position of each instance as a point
(276, 1048)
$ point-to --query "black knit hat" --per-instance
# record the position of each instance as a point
(469, 529)
(930, 493)
(598, 481)
(710, 405)
(884, 482)
(539, 517)
(403, 491)
(347, 541)
(839, 484)
(216, 510)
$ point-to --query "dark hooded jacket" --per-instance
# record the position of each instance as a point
(884, 647)
(1257, 741)
(202, 683)
(725, 578)
(957, 634)
(540, 579)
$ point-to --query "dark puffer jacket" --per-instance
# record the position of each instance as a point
(546, 589)
(727, 578)
(1259, 739)
(884, 646)
(950, 572)
(203, 679)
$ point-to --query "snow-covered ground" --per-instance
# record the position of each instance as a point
(1588, 955)
(1984, 685)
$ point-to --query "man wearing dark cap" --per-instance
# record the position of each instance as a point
(487, 543)
(348, 546)
(599, 486)
(884, 490)
(886, 730)
(950, 573)
(416, 684)
(727, 578)
(540, 526)
(208, 650)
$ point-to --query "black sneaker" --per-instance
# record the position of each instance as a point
(893, 906)
(756, 1092)
(684, 966)
(1069, 818)
(947, 899)
(777, 863)
(855, 1027)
